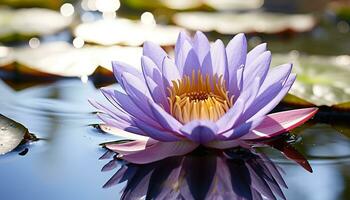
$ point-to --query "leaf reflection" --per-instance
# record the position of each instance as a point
(232, 174)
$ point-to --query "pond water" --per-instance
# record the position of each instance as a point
(64, 163)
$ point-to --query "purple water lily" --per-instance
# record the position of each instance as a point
(209, 95)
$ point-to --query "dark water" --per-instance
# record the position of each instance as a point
(65, 164)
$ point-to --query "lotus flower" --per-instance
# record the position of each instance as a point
(209, 95)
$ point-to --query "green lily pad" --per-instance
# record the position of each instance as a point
(25, 23)
(127, 32)
(321, 80)
(251, 22)
(11, 134)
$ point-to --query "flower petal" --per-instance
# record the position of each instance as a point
(154, 82)
(170, 72)
(219, 59)
(183, 36)
(265, 102)
(191, 63)
(131, 147)
(119, 68)
(200, 131)
(259, 68)
(154, 52)
(255, 53)
(157, 133)
(229, 119)
(167, 121)
(159, 151)
(281, 122)
(200, 45)
(130, 107)
(181, 55)
(236, 51)
(241, 130)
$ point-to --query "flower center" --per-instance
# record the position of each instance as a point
(199, 97)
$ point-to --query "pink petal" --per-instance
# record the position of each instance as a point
(121, 133)
(131, 147)
(281, 122)
(159, 151)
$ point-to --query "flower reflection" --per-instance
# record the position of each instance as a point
(231, 174)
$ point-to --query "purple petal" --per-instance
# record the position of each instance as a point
(183, 36)
(201, 45)
(130, 107)
(158, 93)
(170, 72)
(277, 74)
(181, 56)
(157, 133)
(265, 102)
(167, 121)
(240, 130)
(119, 68)
(138, 92)
(259, 68)
(236, 51)
(119, 124)
(281, 122)
(200, 131)
(191, 63)
(255, 53)
(219, 59)
(229, 119)
(160, 151)
(154, 81)
(154, 52)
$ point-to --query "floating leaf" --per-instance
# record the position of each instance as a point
(62, 59)
(232, 23)
(234, 4)
(126, 32)
(11, 134)
(6, 56)
(30, 22)
(322, 80)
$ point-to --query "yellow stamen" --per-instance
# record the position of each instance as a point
(199, 97)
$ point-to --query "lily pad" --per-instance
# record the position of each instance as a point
(30, 22)
(322, 80)
(11, 134)
(234, 4)
(232, 23)
(62, 59)
(126, 32)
